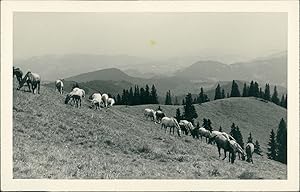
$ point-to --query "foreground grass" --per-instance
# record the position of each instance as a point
(53, 140)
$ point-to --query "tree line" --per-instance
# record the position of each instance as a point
(138, 96)
(253, 90)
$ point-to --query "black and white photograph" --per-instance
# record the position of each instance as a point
(151, 95)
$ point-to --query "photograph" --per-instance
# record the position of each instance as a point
(150, 95)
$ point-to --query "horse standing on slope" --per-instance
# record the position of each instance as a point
(105, 100)
(96, 100)
(110, 102)
(150, 113)
(59, 85)
(18, 73)
(249, 152)
(159, 115)
(76, 95)
(172, 123)
(32, 79)
(186, 126)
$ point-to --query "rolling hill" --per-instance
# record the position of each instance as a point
(57, 141)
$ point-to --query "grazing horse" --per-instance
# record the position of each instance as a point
(110, 102)
(150, 113)
(96, 100)
(59, 85)
(204, 133)
(249, 152)
(105, 100)
(186, 126)
(214, 133)
(76, 95)
(223, 143)
(237, 149)
(172, 123)
(18, 73)
(33, 79)
(195, 132)
(159, 115)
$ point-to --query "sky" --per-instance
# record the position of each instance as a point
(150, 35)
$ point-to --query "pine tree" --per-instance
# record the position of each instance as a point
(147, 95)
(267, 94)
(202, 98)
(204, 124)
(233, 131)
(168, 100)
(272, 154)
(235, 90)
(256, 89)
(189, 109)
(153, 95)
(245, 91)
(251, 89)
(285, 101)
(223, 94)
(274, 98)
(250, 139)
(218, 94)
(239, 138)
(281, 140)
(136, 96)
(176, 101)
(257, 148)
(183, 102)
(130, 97)
(178, 115)
(119, 100)
(261, 93)
(142, 96)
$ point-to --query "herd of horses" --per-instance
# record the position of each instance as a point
(221, 139)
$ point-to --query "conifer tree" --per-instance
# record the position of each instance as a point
(147, 95)
(274, 98)
(204, 124)
(257, 148)
(136, 96)
(245, 93)
(233, 130)
(218, 94)
(281, 140)
(239, 138)
(261, 93)
(235, 90)
(223, 94)
(189, 112)
(285, 101)
(176, 101)
(153, 95)
(130, 97)
(168, 100)
(251, 89)
(119, 101)
(267, 94)
(272, 154)
(183, 102)
(256, 89)
(142, 96)
(209, 127)
(178, 115)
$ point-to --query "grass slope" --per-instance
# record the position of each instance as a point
(53, 140)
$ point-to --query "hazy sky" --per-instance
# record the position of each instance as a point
(154, 35)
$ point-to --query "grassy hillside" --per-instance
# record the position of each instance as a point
(54, 140)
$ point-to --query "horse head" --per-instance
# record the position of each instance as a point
(68, 98)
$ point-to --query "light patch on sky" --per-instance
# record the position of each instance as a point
(151, 35)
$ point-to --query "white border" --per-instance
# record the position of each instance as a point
(7, 9)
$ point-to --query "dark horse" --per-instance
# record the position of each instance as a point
(18, 73)
(33, 79)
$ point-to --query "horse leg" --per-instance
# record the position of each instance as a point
(38, 86)
(224, 154)
(219, 150)
(28, 84)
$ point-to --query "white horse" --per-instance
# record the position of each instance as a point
(172, 123)
(76, 95)
(186, 126)
(59, 85)
(96, 100)
(249, 152)
(32, 79)
(110, 102)
(105, 100)
(237, 149)
(150, 113)
(204, 133)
